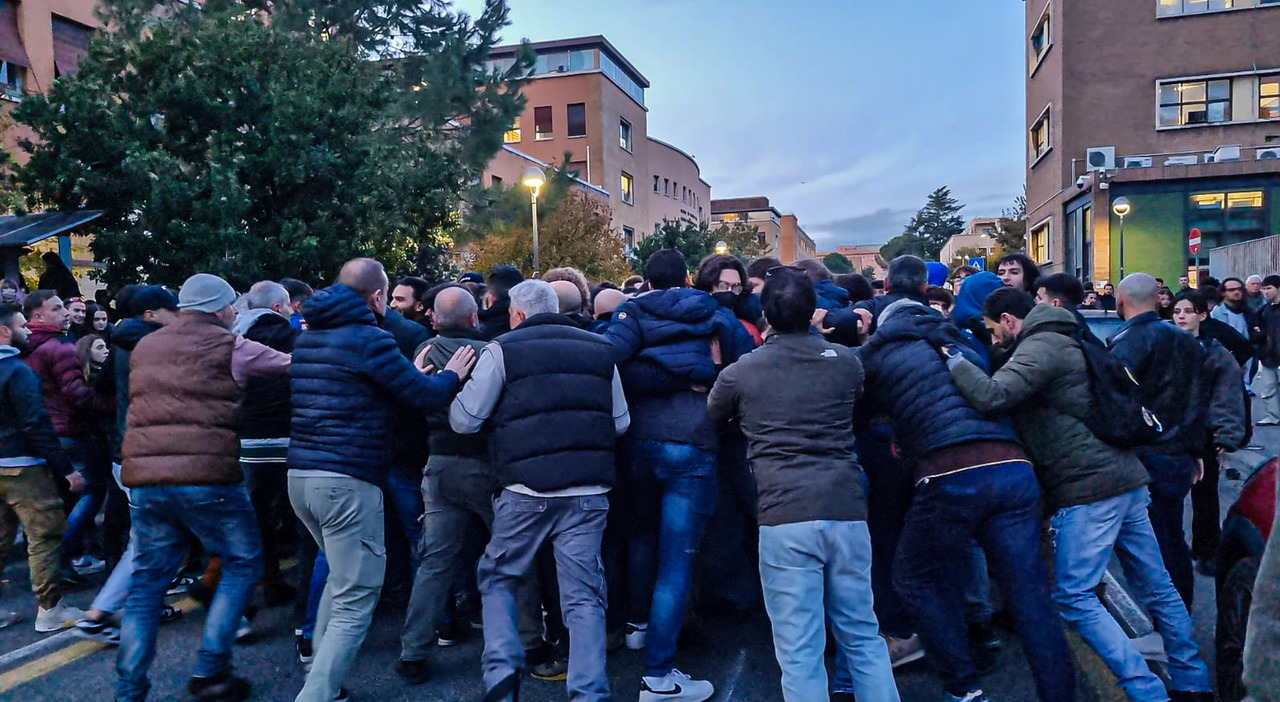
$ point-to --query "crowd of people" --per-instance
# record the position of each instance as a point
(579, 468)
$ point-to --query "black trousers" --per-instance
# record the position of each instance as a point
(1206, 520)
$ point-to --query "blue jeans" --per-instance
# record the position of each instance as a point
(999, 507)
(166, 520)
(812, 572)
(90, 460)
(406, 493)
(1084, 538)
(1171, 481)
(319, 576)
(673, 489)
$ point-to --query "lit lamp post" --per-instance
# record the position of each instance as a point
(534, 179)
(1122, 207)
(722, 247)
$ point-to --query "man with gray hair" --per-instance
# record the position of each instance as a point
(553, 400)
(1167, 363)
(264, 432)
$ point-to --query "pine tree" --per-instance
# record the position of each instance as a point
(838, 263)
(261, 140)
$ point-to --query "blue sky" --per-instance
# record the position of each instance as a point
(845, 112)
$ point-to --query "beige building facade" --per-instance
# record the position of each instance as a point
(785, 238)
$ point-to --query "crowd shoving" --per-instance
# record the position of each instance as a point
(583, 468)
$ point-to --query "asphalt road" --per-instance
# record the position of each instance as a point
(738, 656)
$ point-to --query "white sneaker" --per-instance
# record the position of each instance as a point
(675, 686)
(88, 565)
(8, 619)
(61, 616)
(635, 635)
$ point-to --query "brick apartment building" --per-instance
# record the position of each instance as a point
(585, 98)
(861, 256)
(787, 241)
(1172, 104)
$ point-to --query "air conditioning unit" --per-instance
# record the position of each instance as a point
(1269, 154)
(1137, 161)
(1223, 154)
(1182, 160)
(1101, 158)
(562, 69)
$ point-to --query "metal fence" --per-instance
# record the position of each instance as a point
(1257, 257)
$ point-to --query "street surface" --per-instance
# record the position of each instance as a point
(738, 656)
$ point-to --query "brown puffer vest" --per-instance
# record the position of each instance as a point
(184, 407)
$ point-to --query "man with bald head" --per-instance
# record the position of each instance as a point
(571, 304)
(349, 378)
(1167, 363)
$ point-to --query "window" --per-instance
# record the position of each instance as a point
(513, 134)
(1175, 8)
(628, 189)
(1227, 218)
(1195, 102)
(1078, 256)
(628, 239)
(1041, 139)
(542, 129)
(70, 43)
(564, 62)
(657, 184)
(675, 189)
(666, 187)
(624, 134)
(1269, 97)
(1039, 242)
(495, 181)
(1040, 40)
(624, 81)
(577, 120)
(11, 79)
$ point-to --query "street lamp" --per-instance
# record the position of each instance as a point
(722, 247)
(534, 179)
(1122, 207)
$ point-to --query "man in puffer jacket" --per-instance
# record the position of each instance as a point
(348, 380)
(973, 483)
(670, 345)
(1096, 492)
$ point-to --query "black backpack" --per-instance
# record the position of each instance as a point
(1117, 415)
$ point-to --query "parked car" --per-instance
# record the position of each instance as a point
(1103, 323)
(1244, 537)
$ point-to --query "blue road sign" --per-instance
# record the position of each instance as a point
(979, 263)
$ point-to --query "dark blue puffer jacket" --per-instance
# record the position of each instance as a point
(906, 376)
(349, 380)
(830, 295)
(662, 342)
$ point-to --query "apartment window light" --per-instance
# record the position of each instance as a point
(542, 124)
(577, 120)
(1269, 97)
(624, 134)
(628, 189)
(1194, 102)
(512, 136)
(1040, 242)
(1041, 138)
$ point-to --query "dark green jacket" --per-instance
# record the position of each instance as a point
(1044, 387)
(794, 397)
(444, 441)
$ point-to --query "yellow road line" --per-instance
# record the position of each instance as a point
(43, 666)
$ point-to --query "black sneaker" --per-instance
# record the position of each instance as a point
(303, 643)
(343, 695)
(278, 594)
(413, 672)
(449, 634)
(99, 630)
(219, 688)
(536, 656)
(554, 670)
(180, 586)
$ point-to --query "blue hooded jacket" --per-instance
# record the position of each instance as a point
(349, 379)
(662, 342)
(830, 295)
(938, 273)
(967, 313)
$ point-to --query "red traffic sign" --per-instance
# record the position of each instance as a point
(1193, 241)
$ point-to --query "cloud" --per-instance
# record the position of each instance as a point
(874, 227)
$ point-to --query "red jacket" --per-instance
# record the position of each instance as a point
(71, 402)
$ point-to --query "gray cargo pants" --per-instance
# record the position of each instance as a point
(574, 526)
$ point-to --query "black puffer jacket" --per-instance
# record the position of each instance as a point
(906, 376)
(1168, 364)
(25, 428)
(267, 401)
(349, 380)
(409, 448)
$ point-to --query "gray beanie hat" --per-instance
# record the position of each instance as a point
(204, 292)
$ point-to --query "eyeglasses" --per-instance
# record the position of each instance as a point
(778, 269)
(735, 288)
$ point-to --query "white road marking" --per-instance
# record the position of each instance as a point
(39, 647)
(734, 675)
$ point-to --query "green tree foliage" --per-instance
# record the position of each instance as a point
(697, 241)
(260, 140)
(1011, 230)
(869, 272)
(837, 263)
(494, 210)
(929, 228)
(578, 233)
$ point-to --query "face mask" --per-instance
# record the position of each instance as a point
(726, 299)
(606, 317)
